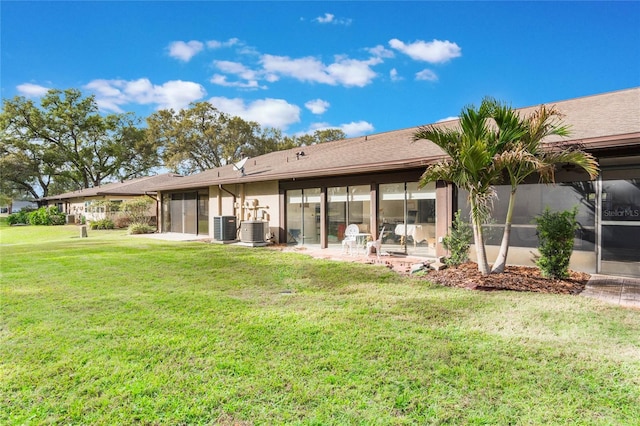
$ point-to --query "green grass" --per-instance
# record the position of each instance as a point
(114, 329)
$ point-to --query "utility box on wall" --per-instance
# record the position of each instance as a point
(224, 228)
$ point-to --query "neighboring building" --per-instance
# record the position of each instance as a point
(307, 196)
(78, 204)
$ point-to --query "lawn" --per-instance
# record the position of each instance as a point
(114, 329)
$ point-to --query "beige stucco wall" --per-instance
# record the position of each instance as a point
(263, 195)
(582, 261)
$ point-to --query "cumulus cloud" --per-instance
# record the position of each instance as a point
(344, 71)
(436, 51)
(330, 18)
(380, 52)
(351, 130)
(357, 128)
(184, 51)
(267, 112)
(393, 75)
(30, 89)
(215, 44)
(426, 75)
(317, 106)
(175, 94)
(249, 76)
(447, 119)
(221, 80)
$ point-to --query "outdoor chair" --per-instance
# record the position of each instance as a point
(350, 239)
(377, 244)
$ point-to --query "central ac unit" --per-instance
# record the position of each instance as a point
(252, 231)
(224, 228)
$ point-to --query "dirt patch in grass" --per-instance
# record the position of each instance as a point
(516, 278)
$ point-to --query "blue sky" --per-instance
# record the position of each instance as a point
(365, 67)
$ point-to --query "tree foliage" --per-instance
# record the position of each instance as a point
(471, 148)
(527, 154)
(555, 231)
(66, 142)
(494, 143)
(458, 240)
(201, 137)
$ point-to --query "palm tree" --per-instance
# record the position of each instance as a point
(526, 155)
(470, 166)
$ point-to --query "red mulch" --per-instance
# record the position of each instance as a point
(516, 278)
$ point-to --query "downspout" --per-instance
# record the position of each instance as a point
(232, 194)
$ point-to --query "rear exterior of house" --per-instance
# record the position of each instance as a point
(308, 196)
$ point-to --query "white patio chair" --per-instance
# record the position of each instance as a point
(349, 241)
(377, 244)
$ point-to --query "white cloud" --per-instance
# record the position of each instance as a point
(250, 76)
(30, 89)
(352, 72)
(380, 52)
(185, 51)
(303, 69)
(356, 128)
(221, 80)
(215, 44)
(344, 71)
(436, 51)
(326, 19)
(393, 74)
(447, 119)
(267, 112)
(330, 18)
(353, 129)
(426, 75)
(176, 94)
(317, 106)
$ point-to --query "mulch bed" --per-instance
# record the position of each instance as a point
(515, 278)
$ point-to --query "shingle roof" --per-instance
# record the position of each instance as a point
(596, 121)
(138, 186)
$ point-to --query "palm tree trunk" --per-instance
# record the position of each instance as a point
(481, 253)
(501, 260)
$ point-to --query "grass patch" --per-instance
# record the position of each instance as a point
(114, 329)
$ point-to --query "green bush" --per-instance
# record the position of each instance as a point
(46, 216)
(458, 241)
(141, 228)
(19, 218)
(102, 224)
(137, 209)
(555, 241)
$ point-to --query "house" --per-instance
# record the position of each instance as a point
(307, 196)
(83, 203)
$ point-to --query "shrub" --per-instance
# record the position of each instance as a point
(122, 221)
(102, 224)
(47, 216)
(141, 228)
(555, 241)
(458, 241)
(137, 209)
(19, 218)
